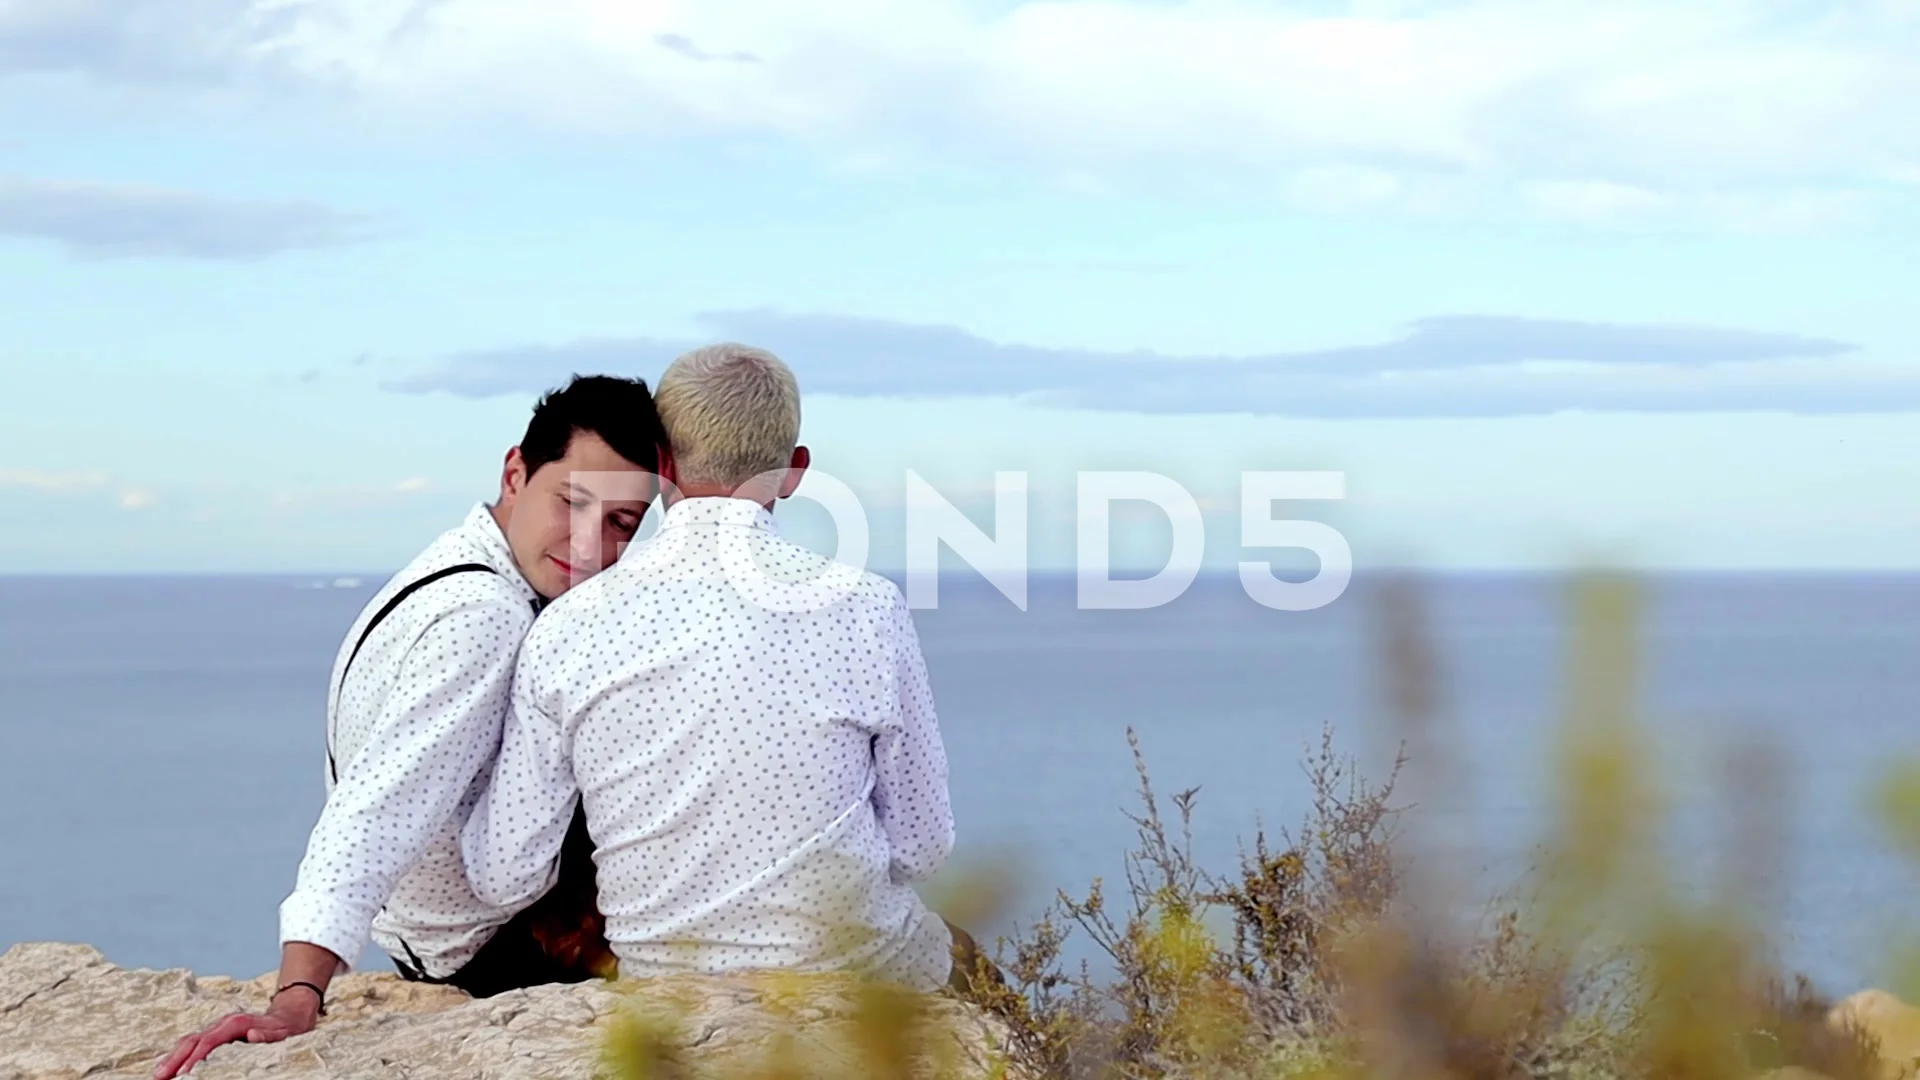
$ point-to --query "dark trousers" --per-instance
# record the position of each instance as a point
(561, 938)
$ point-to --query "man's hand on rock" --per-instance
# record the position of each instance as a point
(294, 1011)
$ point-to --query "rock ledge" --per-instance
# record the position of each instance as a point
(67, 1013)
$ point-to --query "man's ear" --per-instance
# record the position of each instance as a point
(666, 490)
(513, 476)
(796, 471)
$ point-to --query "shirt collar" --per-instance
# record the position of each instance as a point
(718, 510)
(485, 534)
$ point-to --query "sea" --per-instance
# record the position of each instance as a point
(161, 742)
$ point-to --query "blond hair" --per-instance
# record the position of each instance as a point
(732, 412)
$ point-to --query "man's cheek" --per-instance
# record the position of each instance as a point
(581, 534)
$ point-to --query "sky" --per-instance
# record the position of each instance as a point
(1551, 283)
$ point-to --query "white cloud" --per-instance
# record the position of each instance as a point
(1595, 201)
(103, 221)
(68, 482)
(1336, 188)
(1600, 202)
(348, 498)
(39, 480)
(1346, 105)
(1793, 211)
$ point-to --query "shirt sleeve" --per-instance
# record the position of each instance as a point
(511, 842)
(910, 793)
(434, 736)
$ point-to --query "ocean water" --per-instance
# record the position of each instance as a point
(161, 738)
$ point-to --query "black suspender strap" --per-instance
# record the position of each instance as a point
(463, 568)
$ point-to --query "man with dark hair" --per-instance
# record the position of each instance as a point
(418, 694)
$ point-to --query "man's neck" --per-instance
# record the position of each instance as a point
(721, 491)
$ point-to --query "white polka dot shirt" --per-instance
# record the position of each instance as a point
(414, 729)
(762, 770)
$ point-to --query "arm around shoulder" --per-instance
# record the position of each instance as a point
(511, 842)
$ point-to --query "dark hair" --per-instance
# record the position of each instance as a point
(618, 410)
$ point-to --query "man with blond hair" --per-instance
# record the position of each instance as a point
(747, 724)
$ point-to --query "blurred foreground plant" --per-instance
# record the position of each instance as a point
(1331, 951)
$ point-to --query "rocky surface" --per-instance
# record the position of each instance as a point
(66, 1013)
(1891, 1024)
